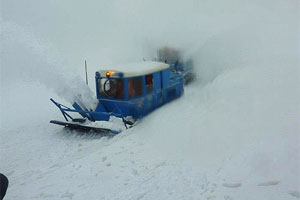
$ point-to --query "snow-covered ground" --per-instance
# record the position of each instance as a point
(234, 134)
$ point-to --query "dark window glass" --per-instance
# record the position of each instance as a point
(111, 87)
(149, 83)
(135, 87)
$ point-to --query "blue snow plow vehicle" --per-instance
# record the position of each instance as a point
(130, 94)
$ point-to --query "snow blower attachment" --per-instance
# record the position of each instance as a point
(82, 123)
(127, 95)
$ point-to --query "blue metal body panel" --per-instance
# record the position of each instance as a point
(166, 87)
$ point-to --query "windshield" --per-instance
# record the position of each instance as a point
(111, 87)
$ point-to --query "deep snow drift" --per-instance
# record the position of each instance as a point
(233, 135)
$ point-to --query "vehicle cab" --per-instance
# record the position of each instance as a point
(136, 89)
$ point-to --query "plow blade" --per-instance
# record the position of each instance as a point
(76, 126)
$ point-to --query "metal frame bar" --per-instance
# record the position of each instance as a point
(64, 109)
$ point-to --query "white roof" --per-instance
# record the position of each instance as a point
(137, 69)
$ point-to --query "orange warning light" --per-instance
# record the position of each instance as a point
(109, 73)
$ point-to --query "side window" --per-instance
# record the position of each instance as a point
(135, 87)
(149, 83)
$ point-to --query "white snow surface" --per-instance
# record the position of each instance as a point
(234, 134)
(231, 139)
(137, 68)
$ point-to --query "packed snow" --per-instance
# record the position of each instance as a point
(234, 134)
(138, 69)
